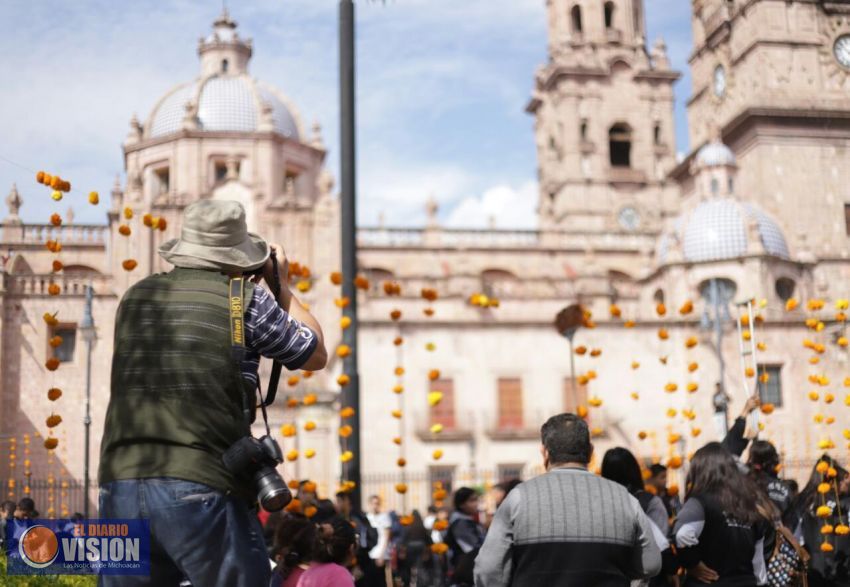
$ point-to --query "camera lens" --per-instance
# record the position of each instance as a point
(272, 492)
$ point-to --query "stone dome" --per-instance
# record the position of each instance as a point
(224, 98)
(722, 228)
(715, 154)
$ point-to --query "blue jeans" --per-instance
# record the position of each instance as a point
(197, 533)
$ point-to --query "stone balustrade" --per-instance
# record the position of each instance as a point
(502, 239)
(72, 284)
(68, 235)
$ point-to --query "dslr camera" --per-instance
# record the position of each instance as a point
(258, 458)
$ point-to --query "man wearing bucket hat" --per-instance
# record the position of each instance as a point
(178, 396)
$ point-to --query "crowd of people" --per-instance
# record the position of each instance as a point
(740, 524)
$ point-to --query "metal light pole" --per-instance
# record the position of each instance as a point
(89, 335)
(351, 392)
(567, 323)
(718, 298)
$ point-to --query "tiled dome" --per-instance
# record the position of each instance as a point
(224, 103)
(714, 154)
(717, 229)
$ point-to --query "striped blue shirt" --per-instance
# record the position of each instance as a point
(272, 333)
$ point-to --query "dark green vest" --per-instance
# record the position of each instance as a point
(176, 399)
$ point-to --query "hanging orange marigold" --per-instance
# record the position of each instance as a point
(336, 278)
(53, 420)
(360, 282)
(129, 264)
(54, 393)
(50, 443)
(429, 294)
(57, 266)
(343, 351)
(52, 364)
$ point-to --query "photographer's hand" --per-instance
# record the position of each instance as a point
(291, 305)
(282, 277)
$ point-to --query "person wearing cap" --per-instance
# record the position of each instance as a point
(176, 399)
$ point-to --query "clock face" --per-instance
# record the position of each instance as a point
(719, 81)
(629, 218)
(842, 50)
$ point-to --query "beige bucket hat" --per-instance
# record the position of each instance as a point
(215, 236)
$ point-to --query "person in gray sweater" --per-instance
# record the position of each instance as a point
(568, 527)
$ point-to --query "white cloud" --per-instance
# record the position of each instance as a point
(503, 205)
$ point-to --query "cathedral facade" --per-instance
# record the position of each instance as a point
(759, 209)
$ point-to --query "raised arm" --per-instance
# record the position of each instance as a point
(290, 304)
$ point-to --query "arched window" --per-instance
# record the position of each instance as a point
(658, 296)
(498, 282)
(715, 186)
(785, 288)
(224, 65)
(609, 15)
(575, 17)
(620, 145)
(583, 130)
(656, 133)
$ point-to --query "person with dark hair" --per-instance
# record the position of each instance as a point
(415, 561)
(294, 540)
(719, 532)
(501, 490)
(620, 466)
(465, 535)
(832, 568)
(763, 462)
(333, 553)
(25, 510)
(568, 526)
(367, 537)
(657, 481)
(7, 512)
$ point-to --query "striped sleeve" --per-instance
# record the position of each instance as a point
(273, 333)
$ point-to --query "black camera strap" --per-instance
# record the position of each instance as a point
(274, 378)
(238, 351)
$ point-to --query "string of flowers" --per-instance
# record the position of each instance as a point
(13, 449)
(59, 187)
(393, 289)
(434, 396)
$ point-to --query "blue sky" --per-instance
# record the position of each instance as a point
(442, 89)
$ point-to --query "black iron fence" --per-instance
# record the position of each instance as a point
(54, 498)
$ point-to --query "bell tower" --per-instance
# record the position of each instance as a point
(603, 108)
(774, 76)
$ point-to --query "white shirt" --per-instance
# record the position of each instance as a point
(382, 523)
